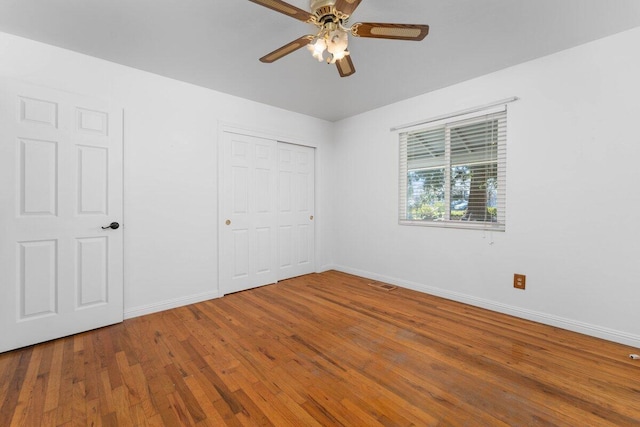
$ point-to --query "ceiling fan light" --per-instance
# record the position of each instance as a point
(337, 41)
(317, 49)
(337, 56)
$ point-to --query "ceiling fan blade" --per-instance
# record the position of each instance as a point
(286, 8)
(347, 6)
(287, 49)
(390, 31)
(345, 66)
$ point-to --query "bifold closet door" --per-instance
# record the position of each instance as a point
(296, 230)
(266, 212)
(248, 251)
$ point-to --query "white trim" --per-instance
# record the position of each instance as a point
(327, 267)
(460, 225)
(169, 304)
(480, 108)
(523, 313)
(261, 133)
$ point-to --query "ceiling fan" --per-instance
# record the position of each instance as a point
(330, 16)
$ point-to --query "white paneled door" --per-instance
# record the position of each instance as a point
(248, 211)
(266, 209)
(295, 210)
(61, 270)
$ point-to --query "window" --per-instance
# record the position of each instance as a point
(452, 174)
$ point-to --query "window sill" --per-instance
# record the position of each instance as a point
(467, 225)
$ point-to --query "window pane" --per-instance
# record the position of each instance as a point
(474, 143)
(474, 192)
(426, 194)
(425, 149)
(460, 185)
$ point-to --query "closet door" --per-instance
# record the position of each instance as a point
(248, 189)
(296, 220)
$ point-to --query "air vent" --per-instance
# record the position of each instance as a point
(383, 286)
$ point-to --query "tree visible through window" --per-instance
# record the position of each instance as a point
(453, 174)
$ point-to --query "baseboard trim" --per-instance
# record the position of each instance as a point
(536, 316)
(169, 304)
(327, 267)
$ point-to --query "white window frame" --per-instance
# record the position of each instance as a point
(449, 122)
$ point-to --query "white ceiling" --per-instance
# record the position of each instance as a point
(217, 43)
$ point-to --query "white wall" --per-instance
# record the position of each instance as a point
(171, 177)
(581, 264)
(572, 197)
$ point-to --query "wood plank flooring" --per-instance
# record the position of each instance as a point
(324, 349)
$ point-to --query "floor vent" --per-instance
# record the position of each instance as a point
(383, 286)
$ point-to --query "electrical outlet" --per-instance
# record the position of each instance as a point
(519, 281)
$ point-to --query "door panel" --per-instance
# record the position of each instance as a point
(93, 180)
(296, 231)
(60, 182)
(38, 169)
(248, 213)
(92, 271)
(38, 282)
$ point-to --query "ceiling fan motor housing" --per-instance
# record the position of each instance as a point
(318, 4)
(325, 11)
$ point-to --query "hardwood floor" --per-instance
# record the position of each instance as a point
(323, 349)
